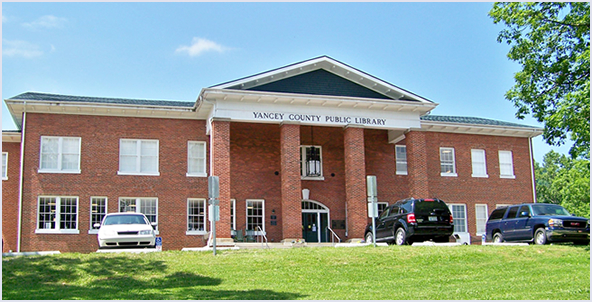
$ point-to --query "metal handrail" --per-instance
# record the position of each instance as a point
(333, 236)
(262, 235)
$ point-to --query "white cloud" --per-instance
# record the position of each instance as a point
(47, 21)
(199, 46)
(17, 48)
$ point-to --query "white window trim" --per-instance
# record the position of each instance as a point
(58, 204)
(476, 218)
(5, 166)
(397, 159)
(138, 199)
(233, 214)
(455, 219)
(206, 218)
(303, 167)
(193, 174)
(138, 158)
(60, 146)
(482, 152)
(508, 176)
(453, 174)
(90, 229)
(247, 215)
(386, 204)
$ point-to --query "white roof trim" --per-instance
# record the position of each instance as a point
(480, 129)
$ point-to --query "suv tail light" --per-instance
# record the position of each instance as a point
(451, 220)
(411, 218)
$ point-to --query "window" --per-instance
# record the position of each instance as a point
(506, 164)
(57, 215)
(196, 216)
(478, 163)
(59, 155)
(146, 206)
(310, 162)
(401, 159)
(138, 157)
(255, 216)
(481, 217)
(447, 167)
(98, 210)
(4, 165)
(233, 215)
(381, 207)
(459, 214)
(196, 159)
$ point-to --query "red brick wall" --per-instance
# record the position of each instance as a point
(221, 168)
(355, 182)
(99, 164)
(10, 197)
(291, 184)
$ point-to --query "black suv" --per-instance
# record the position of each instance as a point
(537, 222)
(411, 220)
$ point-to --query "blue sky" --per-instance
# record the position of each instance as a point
(445, 52)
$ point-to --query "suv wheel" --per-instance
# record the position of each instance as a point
(369, 238)
(498, 238)
(539, 236)
(400, 236)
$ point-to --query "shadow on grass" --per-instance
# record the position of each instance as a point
(50, 278)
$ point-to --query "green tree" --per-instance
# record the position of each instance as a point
(565, 181)
(552, 43)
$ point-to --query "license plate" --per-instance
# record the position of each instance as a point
(433, 218)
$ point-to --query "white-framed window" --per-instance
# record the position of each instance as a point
(255, 216)
(196, 159)
(401, 159)
(98, 210)
(138, 157)
(59, 155)
(481, 215)
(146, 206)
(501, 205)
(311, 163)
(196, 216)
(478, 163)
(381, 207)
(233, 216)
(4, 165)
(447, 165)
(459, 215)
(506, 164)
(57, 215)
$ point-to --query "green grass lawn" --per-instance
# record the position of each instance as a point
(362, 273)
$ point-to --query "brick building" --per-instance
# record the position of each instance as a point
(292, 148)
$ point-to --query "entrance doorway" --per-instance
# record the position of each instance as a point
(315, 221)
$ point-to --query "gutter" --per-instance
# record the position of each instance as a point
(534, 195)
(21, 180)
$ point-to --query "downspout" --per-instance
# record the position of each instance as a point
(534, 195)
(21, 180)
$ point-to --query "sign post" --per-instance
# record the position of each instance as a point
(372, 203)
(214, 207)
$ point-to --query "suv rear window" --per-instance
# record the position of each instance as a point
(426, 207)
(497, 214)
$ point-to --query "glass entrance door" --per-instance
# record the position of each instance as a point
(314, 227)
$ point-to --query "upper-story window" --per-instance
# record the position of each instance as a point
(4, 165)
(59, 155)
(311, 164)
(478, 163)
(447, 165)
(196, 159)
(506, 164)
(401, 159)
(138, 157)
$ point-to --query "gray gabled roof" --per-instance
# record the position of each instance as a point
(48, 97)
(471, 120)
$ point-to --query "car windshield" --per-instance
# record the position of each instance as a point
(124, 219)
(549, 209)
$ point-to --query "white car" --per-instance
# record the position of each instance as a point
(126, 230)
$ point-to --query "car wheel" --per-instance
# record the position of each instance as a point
(539, 236)
(400, 236)
(369, 238)
(498, 238)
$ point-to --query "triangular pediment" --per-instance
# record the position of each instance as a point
(322, 76)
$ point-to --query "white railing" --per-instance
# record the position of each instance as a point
(333, 236)
(262, 236)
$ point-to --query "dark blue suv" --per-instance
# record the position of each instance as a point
(539, 223)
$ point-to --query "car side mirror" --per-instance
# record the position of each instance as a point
(97, 225)
(153, 224)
